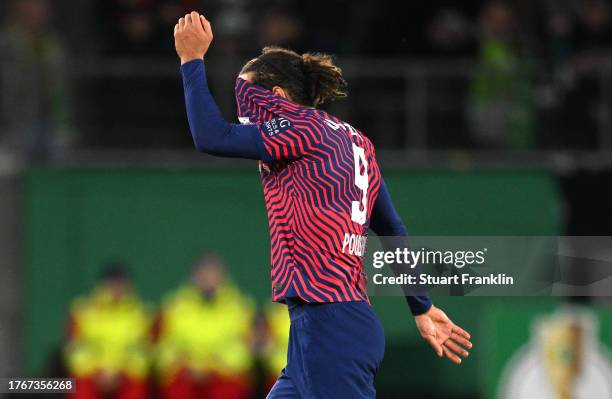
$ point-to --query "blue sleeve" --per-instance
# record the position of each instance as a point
(385, 221)
(211, 133)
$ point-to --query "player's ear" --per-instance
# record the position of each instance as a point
(279, 91)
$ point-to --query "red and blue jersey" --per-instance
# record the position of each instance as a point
(320, 183)
(322, 187)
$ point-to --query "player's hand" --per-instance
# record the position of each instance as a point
(192, 37)
(443, 335)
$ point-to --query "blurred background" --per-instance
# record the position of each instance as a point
(489, 118)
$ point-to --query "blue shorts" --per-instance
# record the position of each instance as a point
(335, 350)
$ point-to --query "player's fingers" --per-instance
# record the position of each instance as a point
(451, 356)
(456, 349)
(176, 28)
(188, 20)
(435, 345)
(196, 22)
(461, 340)
(181, 23)
(461, 331)
(206, 25)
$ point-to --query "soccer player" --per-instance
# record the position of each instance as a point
(321, 184)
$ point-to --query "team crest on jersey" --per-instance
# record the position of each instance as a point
(276, 126)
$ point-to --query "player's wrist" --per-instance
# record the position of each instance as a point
(189, 58)
(424, 312)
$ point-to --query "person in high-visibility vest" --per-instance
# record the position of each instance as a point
(203, 337)
(109, 340)
(270, 341)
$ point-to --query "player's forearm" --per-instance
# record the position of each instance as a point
(211, 133)
(418, 304)
(387, 224)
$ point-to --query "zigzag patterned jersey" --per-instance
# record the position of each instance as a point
(320, 184)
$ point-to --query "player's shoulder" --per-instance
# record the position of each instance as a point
(335, 124)
(308, 122)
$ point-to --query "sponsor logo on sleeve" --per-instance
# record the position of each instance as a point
(276, 126)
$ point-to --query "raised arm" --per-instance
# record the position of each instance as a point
(210, 132)
(445, 338)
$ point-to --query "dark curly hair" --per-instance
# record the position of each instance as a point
(310, 79)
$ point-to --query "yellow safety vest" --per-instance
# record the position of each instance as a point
(275, 351)
(110, 335)
(205, 335)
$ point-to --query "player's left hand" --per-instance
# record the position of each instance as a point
(446, 338)
(192, 37)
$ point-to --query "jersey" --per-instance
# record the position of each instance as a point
(320, 181)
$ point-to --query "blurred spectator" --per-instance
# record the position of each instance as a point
(203, 333)
(449, 34)
(109, 339)
(282, 28)
(34, 107)
(593, 36)
(233, 24)
(573, 100)
(271, 341)
(130, 26)
(559, 37)
(144, 27)
(501, 108)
